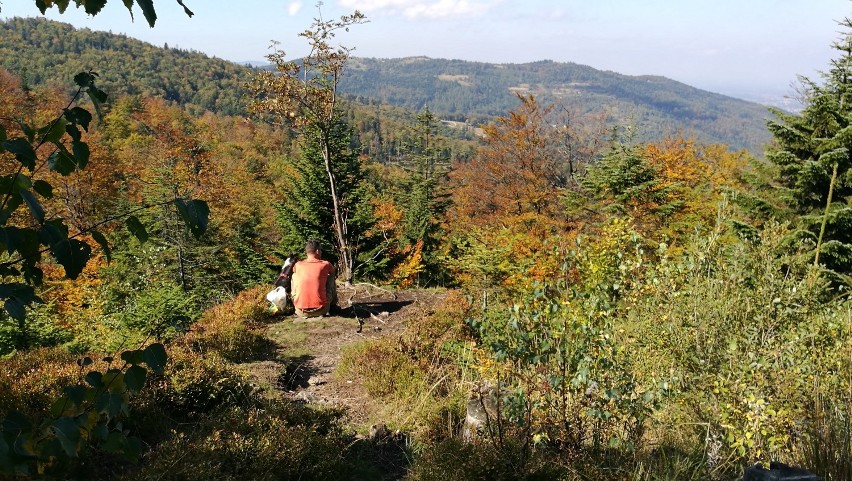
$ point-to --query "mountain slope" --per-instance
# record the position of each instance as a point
(43, 51)
(656, 106)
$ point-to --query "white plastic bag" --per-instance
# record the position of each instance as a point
(278, 298)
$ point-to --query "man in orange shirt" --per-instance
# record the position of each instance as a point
(313, 283)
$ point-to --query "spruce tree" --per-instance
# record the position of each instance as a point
(306, 210)
(813, 149)
(424, 201)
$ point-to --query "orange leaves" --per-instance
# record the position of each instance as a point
(694, 174)
(517, 172)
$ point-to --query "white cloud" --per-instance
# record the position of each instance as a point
(294, 8)
(415, 9)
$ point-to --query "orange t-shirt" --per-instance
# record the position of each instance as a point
(309, 283)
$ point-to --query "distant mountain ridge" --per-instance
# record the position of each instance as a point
(463, 90)
(43, 51)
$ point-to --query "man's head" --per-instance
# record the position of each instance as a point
(312, 248)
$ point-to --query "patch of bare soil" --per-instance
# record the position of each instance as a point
(309, 350)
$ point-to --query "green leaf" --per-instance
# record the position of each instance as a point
(98, 98)
(32, 274)
(73, 254)
(132, 449)
(137, 229)
(53, 232)
(29, 132)
(116, 401)
(79, 116)
(93, 7)
(61, 161)
(73, 131)
(16, 308)
(135, 377)
(115, 442)
(147, 7)
(102, 241)
(16, 290)
(129, 5)
(68, 433)
(43, 189)
(16, 422)
(195, 214)
(42, 5)
(101, 432)
(185, 10)
(23, 151)
(54, 131)
(35, 206)
(14, 183)
(156, 357)
(62, 4)
(76, 394)
(94, 379)
(135, 356)
(25, 241)
(81, 153)
(84, 79)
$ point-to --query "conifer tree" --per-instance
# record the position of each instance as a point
(814, 152)
(424, 200)
(304, 95)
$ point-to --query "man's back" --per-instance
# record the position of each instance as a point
(310, 278)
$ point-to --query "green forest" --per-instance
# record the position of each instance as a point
(547, 296)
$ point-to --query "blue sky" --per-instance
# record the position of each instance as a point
(746, 48)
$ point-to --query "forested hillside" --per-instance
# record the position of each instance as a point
(46, 52)
(476, 91)
(470, 92)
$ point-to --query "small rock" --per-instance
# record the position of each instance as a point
(384, 314)
(377, 328)
(315, 382)
(777, 472)
(379, 432)
(305, 396)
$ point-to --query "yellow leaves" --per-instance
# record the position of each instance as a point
(405, 273)
(388, 217)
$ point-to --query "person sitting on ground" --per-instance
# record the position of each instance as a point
(313, 288)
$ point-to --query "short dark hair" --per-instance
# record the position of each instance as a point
(312, 246)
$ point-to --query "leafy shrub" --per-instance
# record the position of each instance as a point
(195, 384)
(283, 441)
(564, 373)
(384, 370)
(166, 311)
(745, 325)
(40, 330)
(451, 459)
(31, 380)
(232, 329)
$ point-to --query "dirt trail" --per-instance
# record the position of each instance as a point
(309, 350)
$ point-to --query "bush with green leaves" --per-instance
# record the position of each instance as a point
(750, 330)
(565, 375)
(281, 441)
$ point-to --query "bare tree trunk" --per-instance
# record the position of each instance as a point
(825, 216)
(340, 228)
